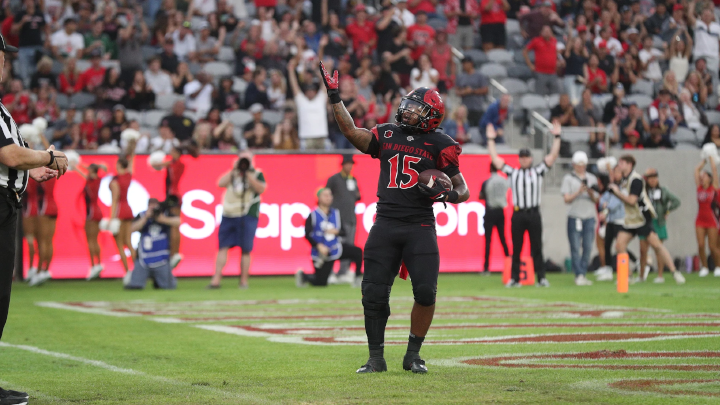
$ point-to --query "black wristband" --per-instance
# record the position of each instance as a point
(557, 136)
(52, 158)
(334, 96)
(452, 196)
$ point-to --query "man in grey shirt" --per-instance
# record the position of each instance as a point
(345, 193)
(472, 86)
(579, 189)
(494, 192)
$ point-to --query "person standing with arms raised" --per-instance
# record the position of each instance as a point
(18, 164)
(526, 186)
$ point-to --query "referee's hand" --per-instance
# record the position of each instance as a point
(60, 163)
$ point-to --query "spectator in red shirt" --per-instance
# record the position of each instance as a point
(361, 31)
(93, 77)
(595, 78)
(426, 6)
(442, 61)
(492, 23)
(633, 141)
(89, 128)
(18, 102)
(420, 35)
(546, 57)
(69, 77)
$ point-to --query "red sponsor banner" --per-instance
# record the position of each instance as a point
(280, 247)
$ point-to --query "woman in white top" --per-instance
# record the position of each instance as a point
(276, 92)
(691, 113)
(424, 75)
(679, 53)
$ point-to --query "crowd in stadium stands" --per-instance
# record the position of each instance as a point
(234, 75)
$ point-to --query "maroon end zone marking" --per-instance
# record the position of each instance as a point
(303, 330)
(656, 385)
(517, 361)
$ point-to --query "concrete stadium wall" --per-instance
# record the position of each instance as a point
(676, 173)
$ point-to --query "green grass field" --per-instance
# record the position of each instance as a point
(93, 343)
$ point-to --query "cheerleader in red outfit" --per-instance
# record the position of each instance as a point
(48, 211)
(31, 226)
(175, 169)
(121, 211)
(706, 223)
(93, 214)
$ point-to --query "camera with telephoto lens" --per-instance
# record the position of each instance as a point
(164, 206)
(243, 165)
(594, 187)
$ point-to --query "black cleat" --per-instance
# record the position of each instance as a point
(415, 364)
(9, 397)
(373, 366)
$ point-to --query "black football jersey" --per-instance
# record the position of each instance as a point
(403, 156)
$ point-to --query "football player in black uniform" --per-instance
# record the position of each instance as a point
(404, 230)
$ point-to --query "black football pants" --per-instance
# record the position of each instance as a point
(349, 252)
(494, 218)
(530, 221)
(8, 228)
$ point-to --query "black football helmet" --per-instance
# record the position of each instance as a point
(424, 104)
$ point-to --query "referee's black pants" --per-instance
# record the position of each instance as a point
(494, 218)
(8, 228)
(530, 221)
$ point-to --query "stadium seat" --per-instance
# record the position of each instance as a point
(642, 100)
(57, 68)
(515, 42)
(133, 115)
(521, 72)
(153, 117)
(658, 42)
(226, 54)
(531, 85)
(501, 56)
(194, 67)
(62, 101)
(438, 24)
(239, 85)
(512, 27)
(520, 58)
(218, 69)
(684, 135)
(642, 86)
(553, 100)
(239, 118)
(82, 65)
(112, 63)
(166, 101)
(82, 100)
(149, 52)
(474, 133)
(533, 102)
(700, 132)
(478, 56)
(515, 86)
(685, 146)
(273, 117)
(494, 70)
(601, 100)
(713, 117)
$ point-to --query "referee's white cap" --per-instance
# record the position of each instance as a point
(5, 47)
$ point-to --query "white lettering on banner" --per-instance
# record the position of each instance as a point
(218, 214)
(369, 217)
(464, 210)
(137, 195)
(199, 214)
(452, 219)
(288, 230)
(272, 229)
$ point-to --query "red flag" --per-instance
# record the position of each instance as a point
(403, 271)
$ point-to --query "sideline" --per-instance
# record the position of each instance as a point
(115, 369)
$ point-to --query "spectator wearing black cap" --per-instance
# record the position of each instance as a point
(346, 194)
(635, 121)
(168, 60)
(66, 42)
(658, 138)
(29, 25)
(472, 87)
(526, 186)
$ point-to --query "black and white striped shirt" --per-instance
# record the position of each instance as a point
(526, 185)
(10, 178)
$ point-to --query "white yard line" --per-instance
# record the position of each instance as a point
(97, 311)
(100, 364)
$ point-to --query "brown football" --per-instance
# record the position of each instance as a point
(429, 177)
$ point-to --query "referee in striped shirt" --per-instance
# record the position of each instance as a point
(18, 164)
(526, 186)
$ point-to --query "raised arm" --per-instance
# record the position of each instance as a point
(292, 76)
(555, 150)
(359, 137)
(490, 134)
(698, 169)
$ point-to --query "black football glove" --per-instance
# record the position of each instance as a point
(437, 192)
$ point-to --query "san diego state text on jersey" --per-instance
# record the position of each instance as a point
(403, 156)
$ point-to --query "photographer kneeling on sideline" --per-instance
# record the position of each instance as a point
(153, 252)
